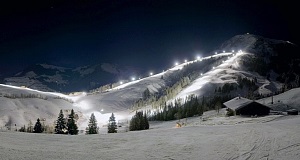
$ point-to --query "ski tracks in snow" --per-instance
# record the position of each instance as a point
(262, 143)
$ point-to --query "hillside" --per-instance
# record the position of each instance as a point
(47, 77)
(270, 56)
(290, 98)
(227, 73)
(118, 100)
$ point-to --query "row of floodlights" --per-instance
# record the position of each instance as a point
(200, 59)
(177, 63)
(133, 78)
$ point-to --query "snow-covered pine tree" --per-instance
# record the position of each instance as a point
(38, 127)
(72, 127)
(92, 127)
(60, 124)
(112, 126)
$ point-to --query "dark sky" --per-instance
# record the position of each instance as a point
(145, 34)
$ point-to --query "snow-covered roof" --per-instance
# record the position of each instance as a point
(237, 103)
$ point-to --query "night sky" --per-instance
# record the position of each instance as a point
(142, 34)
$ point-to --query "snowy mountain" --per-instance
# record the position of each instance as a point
(47, 77)
(259, 45)
(120, 99)
(277, 59)
(229, 73)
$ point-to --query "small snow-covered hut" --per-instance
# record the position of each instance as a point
(292, 112)
(244, 106)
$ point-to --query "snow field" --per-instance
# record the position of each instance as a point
(269, 140)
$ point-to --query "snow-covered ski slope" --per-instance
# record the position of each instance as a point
(117, 100)
(19, 105)
(276, 140)
(291, 98)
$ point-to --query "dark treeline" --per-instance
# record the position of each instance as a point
(139, 122)
(39, 96)
(15, 96)
(193, 106)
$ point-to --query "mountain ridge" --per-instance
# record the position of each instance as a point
(222, 74)
(47, 77)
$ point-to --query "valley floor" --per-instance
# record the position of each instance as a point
(264, 138)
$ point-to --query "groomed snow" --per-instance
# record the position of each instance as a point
(278, 139)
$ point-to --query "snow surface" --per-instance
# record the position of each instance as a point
(237, 102)
(250, 139)
(290, 98)
(218, 75)
(227, 72)
(211, 136)
(120, 98)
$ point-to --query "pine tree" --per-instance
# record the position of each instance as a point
(146, 121)
(146, 94)
(218, 105)
(92, 127)
(72, 127)
(60, 124)
(22, 129)
(112, 126)
(133, 123)
(29, 128)
(139, 122)
(38, 127)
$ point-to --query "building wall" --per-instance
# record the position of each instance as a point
(253, 109)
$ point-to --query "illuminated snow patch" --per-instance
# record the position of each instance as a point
(209, 76)
(102, 119)
(84, 105)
